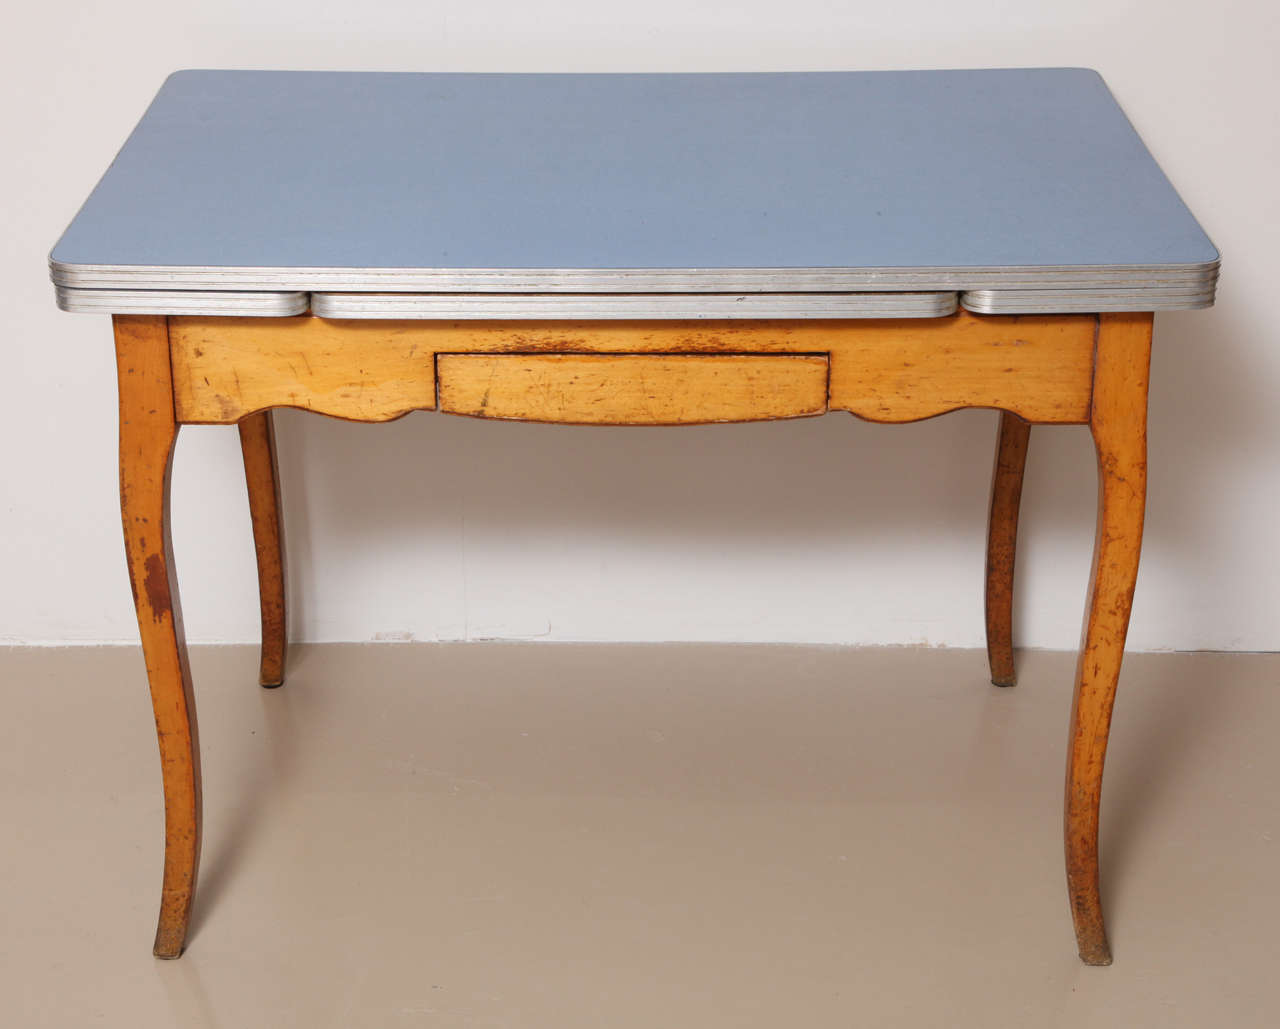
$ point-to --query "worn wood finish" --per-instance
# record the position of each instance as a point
(258, 445)
(148, 431)
(615, 389)
(1002, 539)
(1118, 421)
(226, 368)
(1038, 367)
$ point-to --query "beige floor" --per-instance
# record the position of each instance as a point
(615, 836)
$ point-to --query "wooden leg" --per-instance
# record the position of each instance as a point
(1118, 421)
(148, 431)
(258, 443)
(1002, 539)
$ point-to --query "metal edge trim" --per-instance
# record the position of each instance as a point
(180, 302)
(637, 280)
(1076, 301)
(637, 306)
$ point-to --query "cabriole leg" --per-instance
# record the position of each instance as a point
(148, 431)
(258, 444)
(1002, 539)
(1118, 422)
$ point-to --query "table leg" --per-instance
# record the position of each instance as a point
(1002, 539)
(148, 431)
(1118, 421)
(258, 444)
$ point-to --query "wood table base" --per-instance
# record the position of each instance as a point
(1078, 369)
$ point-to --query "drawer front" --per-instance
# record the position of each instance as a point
(632, 389)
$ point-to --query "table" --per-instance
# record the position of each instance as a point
(634, 250)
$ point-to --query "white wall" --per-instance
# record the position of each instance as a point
(828, 530)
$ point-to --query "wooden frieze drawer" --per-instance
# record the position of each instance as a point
(633, 389)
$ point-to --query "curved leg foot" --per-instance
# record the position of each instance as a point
(1119, 426)
(258, 444)
(1002, 539)
(148, 432)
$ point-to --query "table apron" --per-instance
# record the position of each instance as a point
(635, 373)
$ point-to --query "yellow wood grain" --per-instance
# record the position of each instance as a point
(612, 389)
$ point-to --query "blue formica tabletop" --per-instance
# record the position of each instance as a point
(1017, 184)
